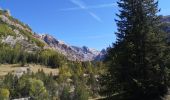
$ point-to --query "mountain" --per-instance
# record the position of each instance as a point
(71, 52)
(166, 26)
(166, 21)
(13, 32)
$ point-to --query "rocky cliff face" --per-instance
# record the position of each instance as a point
(72, 52)
(13, 32)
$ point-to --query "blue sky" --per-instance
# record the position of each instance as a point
(77, 22)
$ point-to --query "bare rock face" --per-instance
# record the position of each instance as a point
(7, 12)
(18, 36)
(12, 41)
(72, 52)
(10, 22)
(21, 71)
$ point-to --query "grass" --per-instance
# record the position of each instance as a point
(35, 69)
(7, 68)
(5, 30)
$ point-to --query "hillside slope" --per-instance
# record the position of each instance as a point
(72, 52)
(13, 32)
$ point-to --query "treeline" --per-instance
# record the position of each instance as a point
(16, 54)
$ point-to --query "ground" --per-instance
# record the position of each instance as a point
(6, 68)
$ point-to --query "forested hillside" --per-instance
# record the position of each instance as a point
(19, 45)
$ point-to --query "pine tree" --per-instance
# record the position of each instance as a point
(136, 62)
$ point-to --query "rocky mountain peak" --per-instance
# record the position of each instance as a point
(72, 52)
(85, 49)
(5, 12)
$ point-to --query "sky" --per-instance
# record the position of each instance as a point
(77, 22)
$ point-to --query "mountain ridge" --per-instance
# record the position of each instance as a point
(20, 33)
(72, 52)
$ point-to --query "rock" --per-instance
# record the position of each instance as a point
(28, 98)
(72, 52)
(9, 22)
(20, 71)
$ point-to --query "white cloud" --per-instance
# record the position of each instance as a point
(95, 16)
(79, 3)
(91, 7)
(82, 6)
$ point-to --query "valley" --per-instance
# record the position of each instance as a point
(40, 66)
(29, 59)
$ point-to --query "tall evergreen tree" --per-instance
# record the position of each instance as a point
(136, 62)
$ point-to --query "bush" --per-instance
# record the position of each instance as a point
(37, 90)
(5, 30)
(4, 94)
(81, 93)
(65, 95)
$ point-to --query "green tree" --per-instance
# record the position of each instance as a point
(51, 85)
(65, 95)
(23, 86)
(93, 84)
(64, 74)
(37, 90)
(4, 94)
(81, 92)
(136, 62)
(10, 82)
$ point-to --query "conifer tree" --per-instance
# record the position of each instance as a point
(136, 62)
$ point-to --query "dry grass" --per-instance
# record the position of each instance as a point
(35, 69)
(6, 68)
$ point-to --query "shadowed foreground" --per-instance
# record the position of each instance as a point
(122, 97)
